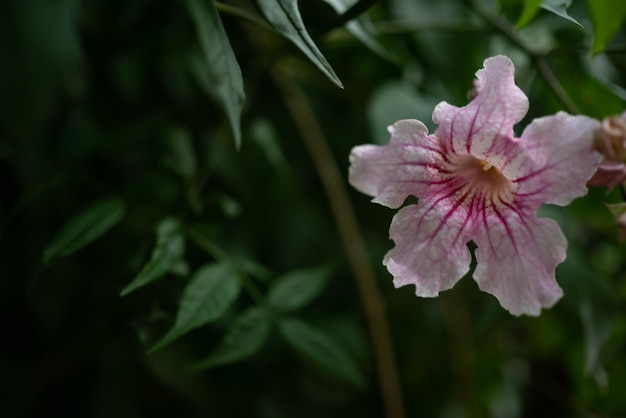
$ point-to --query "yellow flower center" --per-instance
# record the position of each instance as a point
(487, 167)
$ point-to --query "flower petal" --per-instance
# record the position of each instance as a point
(404, 167)
(516, 258)
(558, 162)
(430, 251)
(499, 105)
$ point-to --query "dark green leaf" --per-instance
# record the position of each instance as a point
(531, 8)
(321, 351)
(597, 329)
(210, 292)
(607, 17)
(252, 268)
(218, 71)
(166, 255)
(85, 227)
(284, 17)
(245, 337)
(559, 8)
(181, 157)
(263, 133)
(394, 100)
(298, 288)
(359, 31)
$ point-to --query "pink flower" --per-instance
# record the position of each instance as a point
(476, 182)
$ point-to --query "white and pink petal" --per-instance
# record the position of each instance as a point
(559, 159)
(516, 257)
(430, 246)
(405, 167)
(489, 117)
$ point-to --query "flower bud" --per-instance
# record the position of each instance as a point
(610, 138)
(610, 141)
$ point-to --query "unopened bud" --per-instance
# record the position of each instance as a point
(609, 174)
(610, 138)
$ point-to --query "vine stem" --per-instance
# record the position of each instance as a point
(353, 241)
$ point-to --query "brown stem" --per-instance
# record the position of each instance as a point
(354, 243)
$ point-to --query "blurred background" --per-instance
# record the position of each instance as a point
(192, 156)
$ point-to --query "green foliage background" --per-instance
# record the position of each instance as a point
(178, 238)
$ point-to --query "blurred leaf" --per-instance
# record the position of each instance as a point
(323, 352)
(85, 227)
(395, 100)
(285, 18)
(559, 8)
(181, 157)
(244, 338)
(607, 17)
(166, 255)
(597, 330)
(218, 71)
(298, 288)
(210, 292)
(531, 8)
(359, 31)
(263, 133)
(241, 263)
(230, 206)
(592, 97)
(252, 267)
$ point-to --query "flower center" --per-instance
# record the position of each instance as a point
(487, 167)
(481, 179)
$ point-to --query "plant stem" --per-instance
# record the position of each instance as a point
(354, 243)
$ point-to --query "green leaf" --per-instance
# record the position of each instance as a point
(395, 100)
(284, 17)
(597, 329)
(359, 31)
(245, 338)
(211, 291)
(607, 17)
(218, 71)
(530, 10)
(559, 8)
(180, 157)
(85, 227)
(252, 268)
(298, 288)
(321, 351)
(166, 255)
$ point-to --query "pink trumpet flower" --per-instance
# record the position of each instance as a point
(476, 182)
